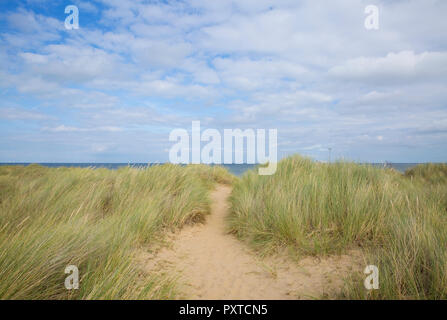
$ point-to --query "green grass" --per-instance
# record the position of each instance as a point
(399, 222)
(96, 219)
(432, 173)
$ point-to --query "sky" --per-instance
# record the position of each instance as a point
(113, 89)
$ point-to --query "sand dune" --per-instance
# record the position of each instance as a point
(212, 264)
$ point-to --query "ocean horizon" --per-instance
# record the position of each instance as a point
(236, 169)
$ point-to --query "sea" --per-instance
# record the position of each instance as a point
(236, 169)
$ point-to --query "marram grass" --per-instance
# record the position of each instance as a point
(398, 221)
(95, 219)
(98, 219)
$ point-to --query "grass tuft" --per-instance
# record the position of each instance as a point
(95, 219)
(318, 208)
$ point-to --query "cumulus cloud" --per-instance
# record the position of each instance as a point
(73, 63)
(134, 70)
(401, 67)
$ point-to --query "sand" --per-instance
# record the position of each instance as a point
(212, 264)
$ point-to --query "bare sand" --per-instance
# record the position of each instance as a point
(212, 264)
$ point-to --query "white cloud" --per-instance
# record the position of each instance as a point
(310, 70)
(159, 54)
(401, 67)
(266, 74)
(85, 6)
(63, 128)
(21, 114)
(70, 63)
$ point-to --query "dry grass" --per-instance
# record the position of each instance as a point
(94, 219)
(317, 209)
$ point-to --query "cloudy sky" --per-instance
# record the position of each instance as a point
(112, 90)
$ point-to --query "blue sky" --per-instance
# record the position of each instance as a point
(112, 90)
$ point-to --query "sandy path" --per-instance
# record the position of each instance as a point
(215, 265)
